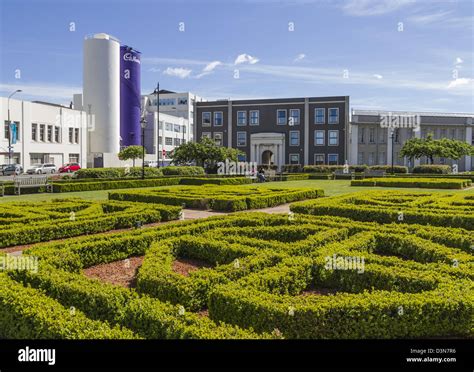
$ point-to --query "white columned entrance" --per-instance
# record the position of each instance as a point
(272, 144)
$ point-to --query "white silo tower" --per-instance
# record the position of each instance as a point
(101, 89)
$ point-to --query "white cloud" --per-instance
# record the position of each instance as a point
(180, 72)
(299, 57)
(362, 8)
(425, 19)
(245, 58)
(209, 68)
(460, 83)
(377, 76)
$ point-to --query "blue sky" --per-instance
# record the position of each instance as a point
(384, 54)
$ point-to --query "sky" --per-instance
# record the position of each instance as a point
(410, 55)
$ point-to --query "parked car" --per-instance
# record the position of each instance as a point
(70, 167)
(12, 170)
(42, 169)
(2, 167)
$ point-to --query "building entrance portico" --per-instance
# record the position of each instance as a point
(268, 148)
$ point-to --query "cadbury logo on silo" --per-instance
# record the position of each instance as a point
(130, 57)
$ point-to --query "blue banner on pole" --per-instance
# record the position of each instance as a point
(13, 133)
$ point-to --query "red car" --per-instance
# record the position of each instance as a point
(68, 168)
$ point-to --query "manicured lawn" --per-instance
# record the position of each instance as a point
(330, 187)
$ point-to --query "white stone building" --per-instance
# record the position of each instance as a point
(43, 133)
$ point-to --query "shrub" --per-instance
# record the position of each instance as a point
(218, 197)
(183, 171)
(108, 185)
(436, 183)
(292, 168)
(434, 169)
(117, 172)
(27, 222)
(399, 169)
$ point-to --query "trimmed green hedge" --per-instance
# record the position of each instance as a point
(215, 181)
(219, 198)
(398, 169)
(428, 183)
(26, 313)
(108, 185)
(27, 222)
(454, 210)
(183, 171)
(117, 172)
(436, 169)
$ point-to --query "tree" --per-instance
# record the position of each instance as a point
(204, 153)
(131, 152)
(416, 148)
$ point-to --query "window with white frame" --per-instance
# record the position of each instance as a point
(241, 139)
(34, 132)
(333, 115)
(57, 134)
(168, 141)
(169, 126)
(281, 117)
(360, 158)
(319, 159)
(319, 116)
(254, 117)
(319, 137)
(294, 137)
(294, 158)
(294, 117)
(371, 135)
(50, 133)
(241, 118)
(76, 135)
(333, 137)
(218, 138)
(218, 118)
(206, 119)
(206, 135)
(333, 159)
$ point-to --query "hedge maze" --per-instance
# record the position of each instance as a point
(31, 222)
(267, 276)
(220, 198)
(454, 210)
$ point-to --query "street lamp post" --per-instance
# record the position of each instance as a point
(392, 136)
(143, 125)
(9, 127)
(157, 94)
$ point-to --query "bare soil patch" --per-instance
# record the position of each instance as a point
(123, 272)
(186, 266)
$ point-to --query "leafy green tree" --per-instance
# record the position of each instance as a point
(204, 153)
(416, 148)
(131, 152)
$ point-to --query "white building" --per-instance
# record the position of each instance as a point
(374, 136)
(176, 120)
(45, 133)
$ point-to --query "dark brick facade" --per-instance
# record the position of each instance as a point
(268, 123)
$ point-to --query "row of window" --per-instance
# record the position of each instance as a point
(173, 127)
(294, 135)
(52, 133)
(169, 141)
(319, 159)
(368, 135)
(283, 117)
